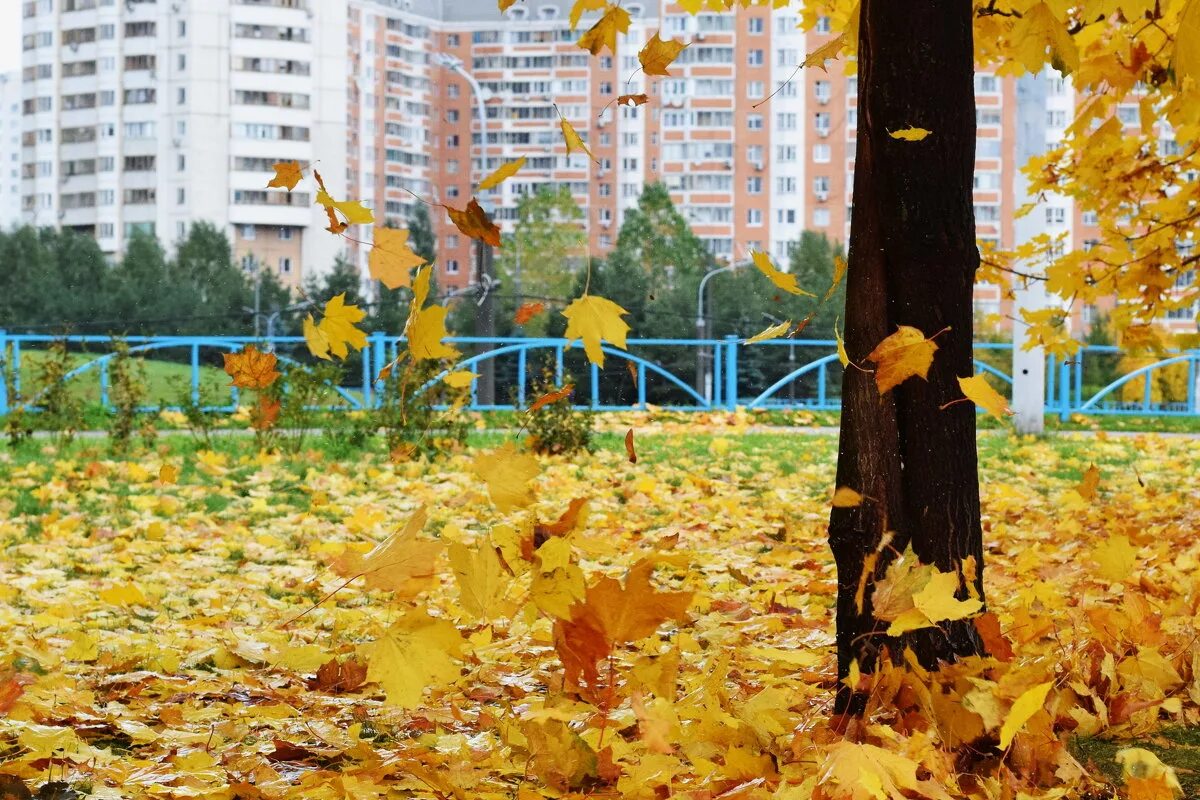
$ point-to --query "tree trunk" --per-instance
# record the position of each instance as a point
(912, 261)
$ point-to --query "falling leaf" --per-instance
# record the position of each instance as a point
(551, 397)
(474, 223)
(505, 5)
(354, 212)
(502, 173)
(392, 260)
(634, 610)
(900, 356)
(988, 626)
(425, 333)
(783, 280)
(1039, 36)
(981, 393)
(1140, 764)
(287, 175)
(633, 100)
(251, 369)
(831, 49)
(168, 473)
(567, 522)
(845, 497)
(265, 413)
(581, 7)
(594, 320)
(614, 21)
(479, 575)
(773, 332)
(336, 332)
(403, 563)
(572, 138)
(910, 134)
(507, 474)
(843, 356)
(937, 600)
(528, 311)
(417, 652)
(1029, 703)
(658, 54)
(460, 379)
(630, 452)
(839, 272)
(1090, 484)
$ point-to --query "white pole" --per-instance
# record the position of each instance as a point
(1028, 365)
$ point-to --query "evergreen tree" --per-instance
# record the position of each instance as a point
(214, 286)
(420, 233)
(143, 292)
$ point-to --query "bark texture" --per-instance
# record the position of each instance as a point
(912, 261)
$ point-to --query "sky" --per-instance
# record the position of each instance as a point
(10, 35)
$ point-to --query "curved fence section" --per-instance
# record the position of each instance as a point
(684, 374)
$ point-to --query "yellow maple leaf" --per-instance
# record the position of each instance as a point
(336, 333)
(480, 577)
(581, 7)
(127, 595)
(425, 331)
(557, 583)
(594, 320)
(604, 33)
(900, 356)
(415, 653)
(505, 5)
(392, 260)
(867, 772)
(843, 356)
(168, 473)
(633, 611)
(783, 280)
(937, 602)
(1186, 59)
(831, 49)
(287, 175)
(839, 272)
(1140, 764)
(507, 474)
(981, 393)
(845, 497)
(502, 173)
(572, 138)
(354, 212)
(910, 134)
(402, 563)
(460, 379)
(772, 332)
(1028, 704)
(1090, 484)
(251, 369)
(658, 53)
(1115, 557)
(1039, 37)
(892, 594)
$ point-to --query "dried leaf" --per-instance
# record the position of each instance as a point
(287, 175)
(900, 356)
(981, 393)
(633, 100)
(403, 564)
(910, 134)
(474, 222)
(594, 320)
(656, 56)
(251, 369)
(528, 311)
(507, 474)
(831, 49)
(336, 332)
(572, 138)
(603, 34)
(551, 397)
(783, 280)
(502, 173)
(772, 332)
(630, 452)
(391, 261)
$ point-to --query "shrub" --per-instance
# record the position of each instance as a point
(421, 417)
(557, 428)
(127, 392)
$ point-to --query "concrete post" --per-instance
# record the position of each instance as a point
(1028, 366)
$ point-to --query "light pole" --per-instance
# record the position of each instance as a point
(485, 272)
(703, 381)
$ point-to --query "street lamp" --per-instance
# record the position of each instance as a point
(703, 380)
(485, 274)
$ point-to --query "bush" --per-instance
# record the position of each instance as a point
(422, 423)
(127, 391)
(557, 428)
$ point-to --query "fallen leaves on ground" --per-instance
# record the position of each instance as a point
(146, 652)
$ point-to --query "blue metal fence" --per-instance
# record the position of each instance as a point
(779, 373)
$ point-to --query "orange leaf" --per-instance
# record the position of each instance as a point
(900, 356)
(580, 644)
(567, 522)
(264, 414)
(251, 369)
(633, 611)
(334, 677)
(604, 33)
(528, 311)
(633, 100)
(392, 259)
(551, 397)
(658, 54)
(402, 563)
(287, 175)
(474, 222)
(988, 626)
(629, 451)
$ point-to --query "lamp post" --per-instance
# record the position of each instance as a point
(485, 271)
(703, 379)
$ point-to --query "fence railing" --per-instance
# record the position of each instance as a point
(685, 374)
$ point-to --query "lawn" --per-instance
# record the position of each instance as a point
(204, 635)
(167, 382)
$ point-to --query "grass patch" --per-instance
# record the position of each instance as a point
(1177, 746)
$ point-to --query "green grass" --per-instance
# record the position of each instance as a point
(166, 382)
(1178, 747)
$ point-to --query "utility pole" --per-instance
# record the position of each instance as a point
(485, 268)
(1029, 365)
(703, 378)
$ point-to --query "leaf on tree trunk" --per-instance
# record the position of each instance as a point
(901, 356)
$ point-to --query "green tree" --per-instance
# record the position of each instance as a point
(540, 257)
(217, 289)
(143, 291)
(420, 233)
(812, 262)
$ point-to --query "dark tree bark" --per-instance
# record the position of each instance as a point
(912, 261)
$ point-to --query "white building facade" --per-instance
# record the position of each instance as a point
(10, 150)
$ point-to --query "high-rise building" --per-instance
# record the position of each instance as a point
(10, 150)
(153, 115)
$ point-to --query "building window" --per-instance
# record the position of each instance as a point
(249, 232)
(755, 58)
(756, 25)
(820, 153)
(754, 217)
(820, 218)
(1056, 216)
(180, 195)
(452, 266)
(823, 25)
(755, 89)
(754, 122)
(285, 265)
(754, 185)
(452, 40)
(285, 234)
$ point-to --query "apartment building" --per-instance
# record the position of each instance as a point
(153, 114)
(10, 150)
